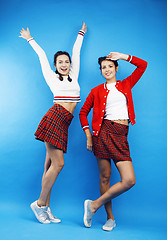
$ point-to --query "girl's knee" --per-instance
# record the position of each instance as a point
(58, 163)
(105, 179)
(129, 182)
(61, 164)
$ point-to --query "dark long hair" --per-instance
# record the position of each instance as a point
(55, 59)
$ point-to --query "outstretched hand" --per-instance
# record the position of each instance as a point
(84, 27)
(25, 33)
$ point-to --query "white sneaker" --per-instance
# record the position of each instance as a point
(87, 214)
(109, 225)
(40, 212)
(51, 217)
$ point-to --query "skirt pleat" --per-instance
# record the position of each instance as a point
(112, 142)
(53, 128)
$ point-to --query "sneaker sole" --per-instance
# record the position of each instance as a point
(33, 209)
(109, 229)
(55, 221)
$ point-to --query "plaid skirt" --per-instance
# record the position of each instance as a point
(53, 127)
(112, 142)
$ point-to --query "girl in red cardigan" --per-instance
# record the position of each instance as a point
(113, 109)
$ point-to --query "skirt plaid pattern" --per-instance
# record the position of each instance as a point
(112, 142)
(53, 127)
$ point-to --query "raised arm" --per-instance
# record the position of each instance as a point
(46, 69)
(76, 51)
(139, 63)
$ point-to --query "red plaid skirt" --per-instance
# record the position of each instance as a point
(53, 127)
(112, 142)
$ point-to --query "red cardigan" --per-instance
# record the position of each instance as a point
(98, 97)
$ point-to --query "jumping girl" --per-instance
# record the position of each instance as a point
(53, 128)
(113, 109)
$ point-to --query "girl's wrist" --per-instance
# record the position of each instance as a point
(124, 56)
(29, 39)
(88, 133)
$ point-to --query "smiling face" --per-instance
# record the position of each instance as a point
(109, 70)
(63, 64)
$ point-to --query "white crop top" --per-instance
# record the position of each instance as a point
(63, 91)
(116, 105)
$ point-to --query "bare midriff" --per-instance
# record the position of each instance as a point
(122, 121)
(69, 106)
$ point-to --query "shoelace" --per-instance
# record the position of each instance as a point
(50, 215)
(43, 214)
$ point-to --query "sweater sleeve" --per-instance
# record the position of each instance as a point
(75, 65)
(46, 69)
(138, 72)
(85, 111)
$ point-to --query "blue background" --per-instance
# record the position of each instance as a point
(133, 27)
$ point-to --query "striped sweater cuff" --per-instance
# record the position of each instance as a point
(129, 58)
(28, 40)
(81, 32)
(85, 127)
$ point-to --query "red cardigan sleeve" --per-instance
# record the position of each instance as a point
(85, 111)
(138, 72)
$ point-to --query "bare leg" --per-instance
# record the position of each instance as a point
(126, 171)
(48, 199)
(49, 177)
(47, 165)
(105, 174)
